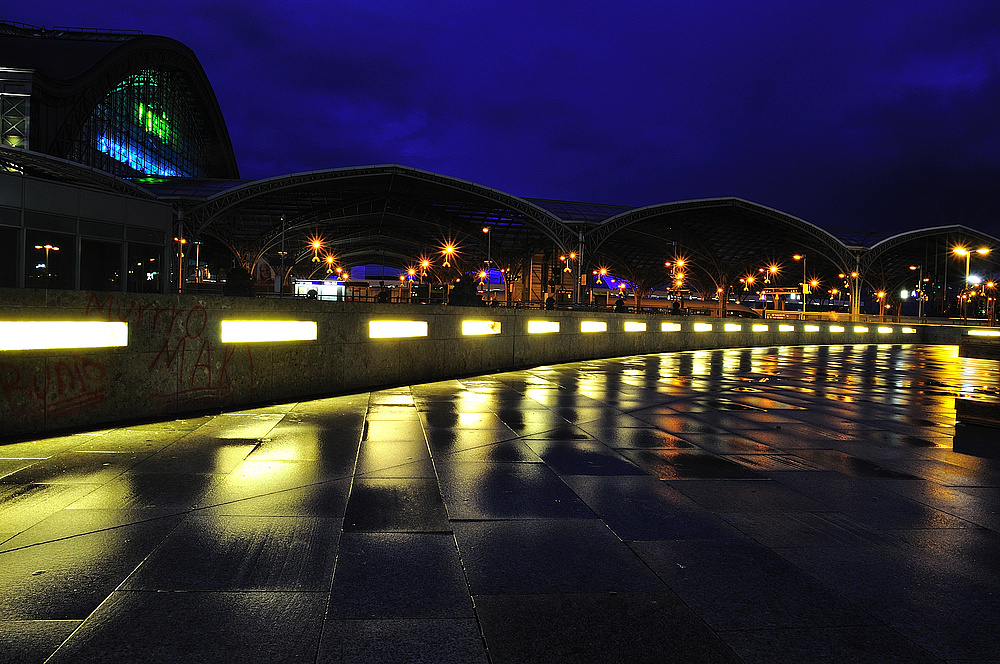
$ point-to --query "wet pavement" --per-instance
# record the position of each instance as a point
(756, 505)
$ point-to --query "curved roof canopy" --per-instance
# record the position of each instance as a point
(74, 72)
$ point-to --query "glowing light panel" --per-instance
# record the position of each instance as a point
(836, 328)
(733, 327)
(702, 327)
(542, 326)
(390, 329)
(860, 328)
(250, 331)
(984, 333)
(480, 327)
(812, 328)
(885, 330)
(593, 326)
(39, 335)
(910, 330)
(670, 327)
(633, 326)
(786, 328)
(138, 159)
(760, 327)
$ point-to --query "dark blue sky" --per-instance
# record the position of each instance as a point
(855, 114)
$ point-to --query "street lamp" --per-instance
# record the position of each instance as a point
(489, 262)
(805, 284)
(47, 248)
(920, 290)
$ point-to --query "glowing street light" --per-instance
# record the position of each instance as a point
(805, 284)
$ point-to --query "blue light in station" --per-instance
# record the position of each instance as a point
(137, 159)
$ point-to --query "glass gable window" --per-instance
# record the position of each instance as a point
(147, 125)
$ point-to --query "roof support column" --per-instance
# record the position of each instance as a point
(579, 267)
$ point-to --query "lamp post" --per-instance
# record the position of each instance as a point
(805, 284)
(47, 248)
(920, 290)
(280, 285)
(489, 256)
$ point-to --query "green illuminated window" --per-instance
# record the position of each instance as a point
(147, 125)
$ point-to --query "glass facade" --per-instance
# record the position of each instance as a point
(100, 265)
(147, 125)
(145, 268)
(49, 260)
(8, 257)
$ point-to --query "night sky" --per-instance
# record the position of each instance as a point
(854, 114)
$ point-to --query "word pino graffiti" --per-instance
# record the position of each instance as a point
(188, 368)
(60, 389)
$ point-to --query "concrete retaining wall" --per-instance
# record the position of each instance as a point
(175, 361)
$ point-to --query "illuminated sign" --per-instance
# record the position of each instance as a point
(702, 327)
(40, 335)
(593, 326)
(812, 328)
(252, 331)
(910, 330)
(884, 330)
(983, 333)
(836, 328)
(670, 327)
(733, 327)
(633, 326)
(389, 329)
(786, 328)
(480, 327)
(542, 326)
(860, 328)
(760, 327)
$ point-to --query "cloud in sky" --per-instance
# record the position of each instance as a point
(850, 114)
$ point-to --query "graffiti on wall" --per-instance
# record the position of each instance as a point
(194, 369)
(68, 386)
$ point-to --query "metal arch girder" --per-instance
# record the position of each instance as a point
(886, 245)
(206, 213)
(596, 237)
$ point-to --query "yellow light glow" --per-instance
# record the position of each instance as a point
(984, 333)
(885, 330)
(390, 329)
(702, 327)
(733, 327)
(670, 327)
(241, 331)
(812, 328)
(542, 326)
(633, 326)
(860, 328)
(836, 328)
(38, 335)
(593, 326)
(786, 328)
(760, 327)
(479, 327)
(910, 330)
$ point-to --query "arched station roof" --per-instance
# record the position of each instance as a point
(73, 71)
(385, 214)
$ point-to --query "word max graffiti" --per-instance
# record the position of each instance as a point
(192, 368)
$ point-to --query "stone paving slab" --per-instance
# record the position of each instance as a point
(749, 505)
